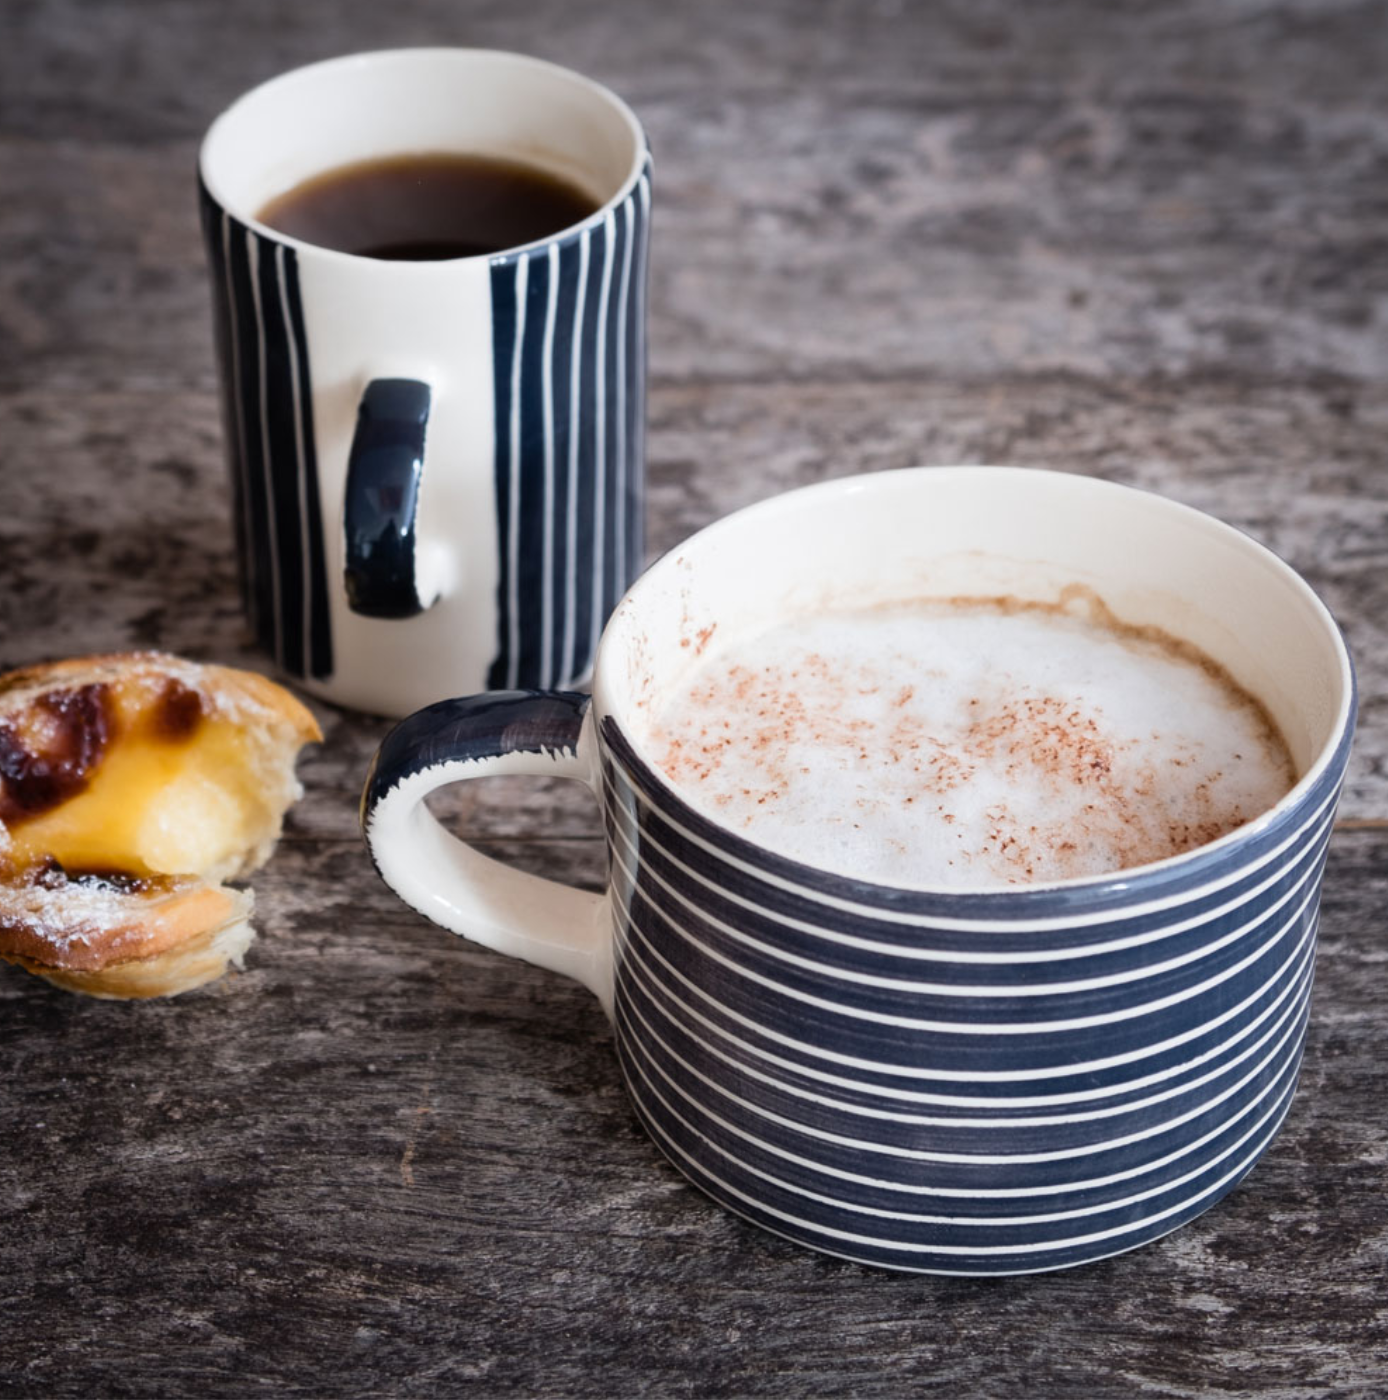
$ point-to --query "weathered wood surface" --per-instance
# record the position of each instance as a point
(1145, 242)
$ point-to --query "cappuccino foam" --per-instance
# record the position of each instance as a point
(970, 743)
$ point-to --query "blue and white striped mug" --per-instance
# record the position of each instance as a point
(955, 1081)
(437, 467)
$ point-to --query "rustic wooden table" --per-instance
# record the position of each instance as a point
(1148, 242)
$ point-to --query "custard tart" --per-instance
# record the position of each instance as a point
(131, 787)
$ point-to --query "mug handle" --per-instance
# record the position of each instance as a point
(540, 733)
(382, 573)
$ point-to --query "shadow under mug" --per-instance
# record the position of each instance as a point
(985, 1082)
(437, 467)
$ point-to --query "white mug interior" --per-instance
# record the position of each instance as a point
(948, 532)
(420, 101)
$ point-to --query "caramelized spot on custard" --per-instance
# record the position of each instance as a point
(178, 711)
(83, 723)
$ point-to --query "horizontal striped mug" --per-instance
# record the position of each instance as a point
(437, 467)
(955, 1081)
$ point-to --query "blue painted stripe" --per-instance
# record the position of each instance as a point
(564, 541)
(318, 654)
(568, 343)
(505, 315)
(533, 522)
(279, 427)
(614, 579)
(268, 422)
(636, 362)
(587, 607)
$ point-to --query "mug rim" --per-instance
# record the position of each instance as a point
(377, 57)
(1114, 883)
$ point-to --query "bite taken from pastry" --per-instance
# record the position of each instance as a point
(131, 787)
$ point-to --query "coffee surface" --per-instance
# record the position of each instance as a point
(970, 743)
(428, 207)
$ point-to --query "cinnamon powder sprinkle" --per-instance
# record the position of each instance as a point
(971, 743)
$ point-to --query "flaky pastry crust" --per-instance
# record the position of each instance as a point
(136, 935)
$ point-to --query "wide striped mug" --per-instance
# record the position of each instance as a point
(986, 1081)
(437, 467)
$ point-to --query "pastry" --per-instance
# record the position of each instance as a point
(131, 788)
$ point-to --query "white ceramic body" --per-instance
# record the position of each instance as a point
(303, 330)
(981, 1081)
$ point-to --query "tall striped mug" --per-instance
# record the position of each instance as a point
(1023, 1071)
(436, 464)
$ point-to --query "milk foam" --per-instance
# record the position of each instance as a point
(969, 744)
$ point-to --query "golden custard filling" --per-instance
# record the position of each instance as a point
(144, 782)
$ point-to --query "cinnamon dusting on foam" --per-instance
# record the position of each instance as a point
(972, 741)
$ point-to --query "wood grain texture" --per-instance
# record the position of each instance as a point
(1142, 242)
(382, 1161)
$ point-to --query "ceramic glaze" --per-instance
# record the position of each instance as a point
(986, 1081)
(528, 520)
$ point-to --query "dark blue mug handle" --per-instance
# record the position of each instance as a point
(381, 503)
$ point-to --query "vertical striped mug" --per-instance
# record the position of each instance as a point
(985, 1081)
(437, 467)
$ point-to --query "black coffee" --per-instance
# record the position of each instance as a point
(427, 207)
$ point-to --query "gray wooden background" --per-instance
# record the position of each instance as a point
(1147, 241)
